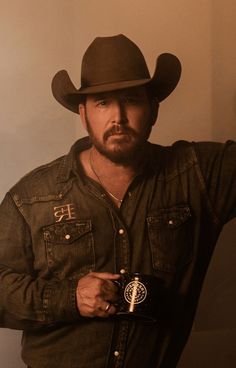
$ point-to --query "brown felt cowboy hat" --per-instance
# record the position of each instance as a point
(115, 63)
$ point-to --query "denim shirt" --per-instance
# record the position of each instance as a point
(57, 225)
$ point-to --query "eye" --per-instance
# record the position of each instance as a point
(130, 100)
(102, 103)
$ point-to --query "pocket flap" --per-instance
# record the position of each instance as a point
(66, 232)
(170, 217)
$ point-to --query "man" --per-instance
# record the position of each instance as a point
(116, 204)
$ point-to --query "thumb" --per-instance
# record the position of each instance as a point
(106, 275)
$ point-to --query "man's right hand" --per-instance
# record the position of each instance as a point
(95, 294)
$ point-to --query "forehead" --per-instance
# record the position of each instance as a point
(140, 92)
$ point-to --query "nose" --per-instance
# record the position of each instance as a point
(119, 115)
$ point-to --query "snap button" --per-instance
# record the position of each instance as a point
(122, 271)
(170, 222)
(67, 236)
(46, 235)
(121, 231)
(116, 353)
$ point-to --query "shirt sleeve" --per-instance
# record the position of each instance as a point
(27, 301)
(217, 163)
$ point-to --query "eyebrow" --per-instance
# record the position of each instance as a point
(101, 96)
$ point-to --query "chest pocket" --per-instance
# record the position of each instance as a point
(169, 232)
(70, 248)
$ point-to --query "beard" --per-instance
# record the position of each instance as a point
(129, 145)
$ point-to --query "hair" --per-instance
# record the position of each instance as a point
(151, 93)
(76, 99)
(82, 99)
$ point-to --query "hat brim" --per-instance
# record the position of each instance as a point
(165, 79)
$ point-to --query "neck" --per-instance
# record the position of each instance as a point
(109, 168)
(114, 178)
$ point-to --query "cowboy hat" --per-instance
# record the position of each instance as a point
(115, 63)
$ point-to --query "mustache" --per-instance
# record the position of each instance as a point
(118, 129)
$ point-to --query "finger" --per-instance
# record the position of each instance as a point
(110, 296)
(109, 286)
(102, 309)
(105, 275)
(111, 311)
(106, 310)
(107, 307)
(109, 291)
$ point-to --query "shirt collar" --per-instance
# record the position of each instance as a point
(69, 164)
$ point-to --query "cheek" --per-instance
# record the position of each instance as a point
(140, 119)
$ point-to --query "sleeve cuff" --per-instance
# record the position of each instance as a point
(59, 301)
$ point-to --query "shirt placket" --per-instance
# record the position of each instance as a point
(122, 256)
(122, 248)
(119, 343)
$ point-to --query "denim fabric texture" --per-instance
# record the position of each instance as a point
(57, 225)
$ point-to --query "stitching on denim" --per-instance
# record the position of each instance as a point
(204, 190)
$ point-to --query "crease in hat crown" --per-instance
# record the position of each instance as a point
(114, 63)
(110, 60)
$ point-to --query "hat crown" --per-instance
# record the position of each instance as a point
(116, 63)
(111, 60)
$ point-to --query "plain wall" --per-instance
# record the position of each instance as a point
(39, 38)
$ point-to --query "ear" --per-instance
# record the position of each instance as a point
(82, 113)
(154, 110)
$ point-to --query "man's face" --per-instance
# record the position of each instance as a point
(119, 123)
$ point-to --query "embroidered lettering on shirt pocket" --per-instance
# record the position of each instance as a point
(70, 248)
(169, 232)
